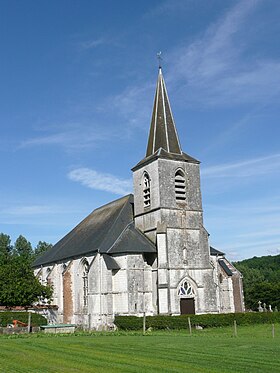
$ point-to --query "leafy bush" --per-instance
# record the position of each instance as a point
(8, 317)
(207, 320)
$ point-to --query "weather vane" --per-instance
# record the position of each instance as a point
(159, 59)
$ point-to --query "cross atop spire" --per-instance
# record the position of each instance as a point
(163, 132)
(159, 59)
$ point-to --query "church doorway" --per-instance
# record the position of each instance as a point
(187, 306)
(187, 297)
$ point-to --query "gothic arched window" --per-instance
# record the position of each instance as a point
(186, 289)
(85, 282)
(180, 186)
(146, 190)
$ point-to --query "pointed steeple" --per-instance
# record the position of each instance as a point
(163, 140)
(163, 132)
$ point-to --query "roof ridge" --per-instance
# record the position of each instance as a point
(134, 230)
(113, 225)
(119, 237)
(109, 203)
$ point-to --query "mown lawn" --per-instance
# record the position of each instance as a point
(209, 350)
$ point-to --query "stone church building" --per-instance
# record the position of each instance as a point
(148, 252)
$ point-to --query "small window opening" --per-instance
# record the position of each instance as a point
(146, 191)
(180, 186)
(184, 255)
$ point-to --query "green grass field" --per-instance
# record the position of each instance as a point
(209, 350)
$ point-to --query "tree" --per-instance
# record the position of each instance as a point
(23, 249)
(266, 292)
(41, 248)
(261, 280)
(18, 285)
(5, 248)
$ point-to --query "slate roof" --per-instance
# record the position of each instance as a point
(215, 252)
(225, 267)
(110, 262)
(163, 139)
(108, 229)
(163, 154)
(163, 132)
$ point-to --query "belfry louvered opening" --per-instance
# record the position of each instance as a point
(180, 186)
(146, 190)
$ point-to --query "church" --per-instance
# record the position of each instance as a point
(147, 252)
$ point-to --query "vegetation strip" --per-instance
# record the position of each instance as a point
(209, 350)
(206, 320)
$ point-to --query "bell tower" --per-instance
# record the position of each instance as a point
(168, 209)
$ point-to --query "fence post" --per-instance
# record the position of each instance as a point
(144, 323)
(235, 328)
(29, 323)
(89, 321)
(190, 325)
(273, 331)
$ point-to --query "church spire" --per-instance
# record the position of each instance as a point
(163, 132)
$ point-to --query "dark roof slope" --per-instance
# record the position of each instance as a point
(215, 252)
(110, 262)
(225, 267)
(129, 241)
(100, 231)
(163, 154)
(163, 139)
(163, 132)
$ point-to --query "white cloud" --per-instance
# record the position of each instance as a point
(101, 181)
(90, 44)
(75, 137)
(248, 228)
(244, 169)
(29, 210)
(274, 251)
(134, 104)
(169, 7)
(217, 71)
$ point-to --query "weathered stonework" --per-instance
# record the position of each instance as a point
(148, 255)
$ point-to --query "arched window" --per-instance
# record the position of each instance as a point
(186, 289)
(85, 282)
(180, 186)
(146, 190)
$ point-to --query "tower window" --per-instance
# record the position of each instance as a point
(146, 190)
(180, 186)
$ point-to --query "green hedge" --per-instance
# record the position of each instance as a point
(7, 317)
(207, 320)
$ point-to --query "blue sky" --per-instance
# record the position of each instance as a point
(77, 85)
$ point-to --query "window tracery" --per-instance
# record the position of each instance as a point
(186, 289)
